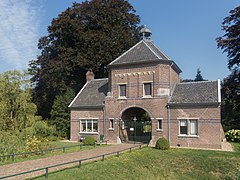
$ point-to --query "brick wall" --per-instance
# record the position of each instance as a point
(209, 127)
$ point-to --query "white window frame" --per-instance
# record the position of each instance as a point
(119, 91)
(88, 119)
(111, 124)
(144, 94)
(158, 120)
(189, 127)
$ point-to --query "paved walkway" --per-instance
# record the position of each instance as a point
(57, 159)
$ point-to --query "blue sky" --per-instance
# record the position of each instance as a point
(184, 30)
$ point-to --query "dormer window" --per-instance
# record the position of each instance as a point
(147, 89)
(122, 90)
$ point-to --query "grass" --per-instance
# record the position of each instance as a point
(53, 144)
(150, 163)
(236, 146)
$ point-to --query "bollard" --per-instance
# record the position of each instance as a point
(118, 154)
(102, 157)
(80, 164)
(130, 149)
(64, 149)
(140, 146)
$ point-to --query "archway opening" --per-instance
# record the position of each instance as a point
(135, 126)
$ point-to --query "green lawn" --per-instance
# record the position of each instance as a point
(53, 144)
(150, 163)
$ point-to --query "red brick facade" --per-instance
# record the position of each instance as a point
(163, 76)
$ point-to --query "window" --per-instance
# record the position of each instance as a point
(159, 121)
(188, 127)
(122, 90)
(111, 124)
(193, 127)
(183, 127)
(147, 89)
(89, 126)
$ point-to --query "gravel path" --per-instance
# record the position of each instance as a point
(57, 159)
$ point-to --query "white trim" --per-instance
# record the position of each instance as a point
(119, 91)
(144, 95)
(126, 52)
(158, 129)
(78, 95)
(88, 119)
(219, 91)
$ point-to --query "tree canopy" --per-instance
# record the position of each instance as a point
(16, 108)
(230, 43)
(87, 35)
(199, 76)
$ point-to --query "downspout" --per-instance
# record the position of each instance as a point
(168, 107)
(104, 117)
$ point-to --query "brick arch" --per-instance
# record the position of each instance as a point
(134, 106)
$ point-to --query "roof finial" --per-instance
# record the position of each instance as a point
(145, 33)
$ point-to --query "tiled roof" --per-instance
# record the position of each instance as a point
(91, 95)
(142, 51)
(203, 92)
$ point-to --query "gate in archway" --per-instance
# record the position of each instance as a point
(135, 126)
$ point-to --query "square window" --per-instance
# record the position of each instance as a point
(122, 90)
(183, 127)
(147, 89)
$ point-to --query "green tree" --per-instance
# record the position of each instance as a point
(60, 113)
(16, 108)
(199, 76)
(230, 43)
(87, 35)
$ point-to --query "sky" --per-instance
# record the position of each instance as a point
(185, 30)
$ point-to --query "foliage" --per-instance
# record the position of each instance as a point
(89, 140)
(42, 130)
(162, 144)
(199, 76)
(32, 144)
(87, 35)
(150, 163)
(60, 113)
(229, 42)
(16, 108)
(238, 174)
(231, 101)
(233, 135)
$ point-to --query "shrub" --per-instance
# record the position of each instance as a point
(89, 140)
(162, 144)
(43, 130)
(233, 135)
(32, 144)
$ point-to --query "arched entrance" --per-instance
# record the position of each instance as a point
(135, 126)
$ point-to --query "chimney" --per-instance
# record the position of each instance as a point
(89, 75)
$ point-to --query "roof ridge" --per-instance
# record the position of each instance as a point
(159, 57)
(160, 50)
(125, 52)
(99, 79)
(195, 82)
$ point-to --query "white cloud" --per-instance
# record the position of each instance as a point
(19, 34)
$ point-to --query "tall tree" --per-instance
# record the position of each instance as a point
(16, 108)
(60, 113)
(230, 43)
(199, 76)
(87, 35)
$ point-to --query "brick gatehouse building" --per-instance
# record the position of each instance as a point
(143, 99)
